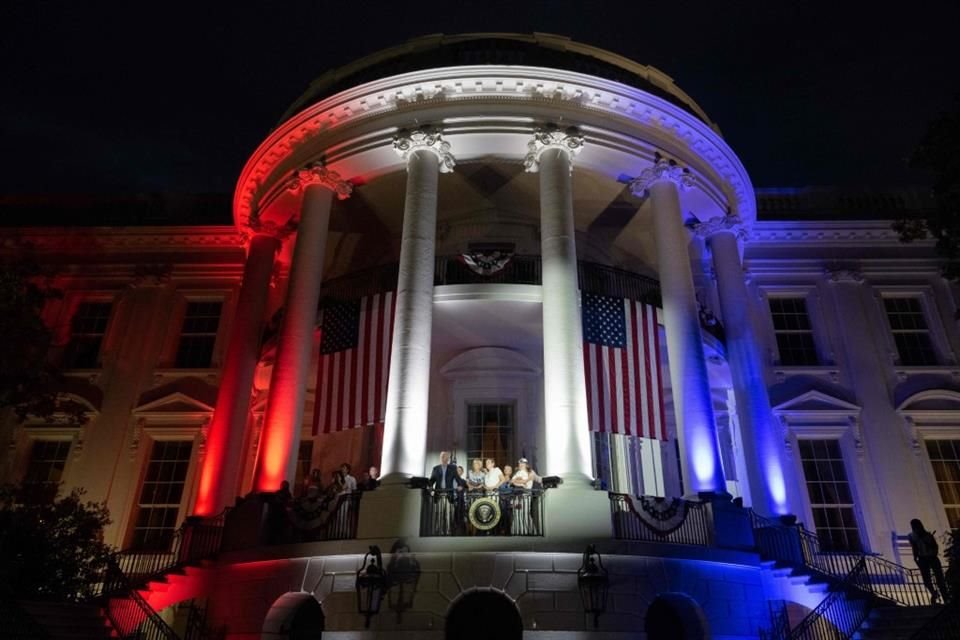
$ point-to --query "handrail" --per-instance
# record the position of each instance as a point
(128, 612)
(673, 521)
(779, 621)
(842, 612)
(793, 545)
(196, 540)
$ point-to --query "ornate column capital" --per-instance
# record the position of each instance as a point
(551, 137)
(426, 138)
(259, 227)
(729, 223)
(318, 174)
(663, 170)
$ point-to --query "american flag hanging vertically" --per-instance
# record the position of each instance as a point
(354, 363)
(621, 354)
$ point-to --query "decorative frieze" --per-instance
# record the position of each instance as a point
(845, 275)
(662, 170)
(425, 138)
(551, 137)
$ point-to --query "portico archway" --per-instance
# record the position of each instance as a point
(482, 614)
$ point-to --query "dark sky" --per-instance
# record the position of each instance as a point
(144, 97)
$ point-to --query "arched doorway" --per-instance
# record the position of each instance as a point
(483, 614)
(675, 616)
(307, 621)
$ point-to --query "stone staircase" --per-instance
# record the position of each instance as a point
(896, 623)
(69, 621)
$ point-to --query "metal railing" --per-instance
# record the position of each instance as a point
(130, 615)
(794, 546)
(448, 513)
(943, 626)
(337, 520)
(779, 621)
(842, 612)
(196, 540)
(674, 521)
(519, 270)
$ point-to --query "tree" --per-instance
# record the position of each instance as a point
(952, 554)
(28, 381)
(939, 154)
(52, 547)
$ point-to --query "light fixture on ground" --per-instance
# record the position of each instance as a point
(371, 584)
(594, 583)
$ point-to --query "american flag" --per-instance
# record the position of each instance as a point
(354, 363)
(621, 354)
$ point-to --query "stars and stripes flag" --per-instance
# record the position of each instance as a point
(621, 354)
(354, 363)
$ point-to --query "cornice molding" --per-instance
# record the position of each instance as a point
(330, 126)
(552, 137)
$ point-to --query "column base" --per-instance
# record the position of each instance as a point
(575, 511)
(390, 511)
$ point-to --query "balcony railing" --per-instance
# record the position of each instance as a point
(198, 539)
(268, 519)
(673, 521)
(478, 513)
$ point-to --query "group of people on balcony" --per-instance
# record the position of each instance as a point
(455, 490)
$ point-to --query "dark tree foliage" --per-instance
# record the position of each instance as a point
(28, 382)
(939, 154)
(52, 547)
(952, 554)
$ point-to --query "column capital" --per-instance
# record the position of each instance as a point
(426, 138)
(318, 174)
(551, 137)
(663, 170)
(729, 223)
(258, 227)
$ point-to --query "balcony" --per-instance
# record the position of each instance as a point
(451, 513)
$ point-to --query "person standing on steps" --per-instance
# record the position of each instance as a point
(926, 553)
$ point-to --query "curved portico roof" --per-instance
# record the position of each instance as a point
(508, 49)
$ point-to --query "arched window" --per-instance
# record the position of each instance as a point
(482, 615)
(675, 616)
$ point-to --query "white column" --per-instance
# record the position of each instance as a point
(408, 389)
(565, 393)
(283, 420)
(693, 406)
(762, 446)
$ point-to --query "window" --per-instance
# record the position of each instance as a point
(791, 325)
(910, 331)
(830, 498)
(198, 335)
(48, 458)
(945, 458)
(88, 327)
(490, 433)
(161, 494)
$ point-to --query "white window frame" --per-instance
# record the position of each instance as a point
(73, 300)
(818, 324)
(938, 337)
(185, 297)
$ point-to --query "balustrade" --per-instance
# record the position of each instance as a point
(477, 513)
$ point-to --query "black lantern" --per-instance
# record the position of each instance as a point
(403, 573)
(371, 583)
(594, 583)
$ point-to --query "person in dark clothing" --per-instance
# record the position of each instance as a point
(444, 479)
(444, 476)
(926, 553)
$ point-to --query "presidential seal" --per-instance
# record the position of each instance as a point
(484, 513)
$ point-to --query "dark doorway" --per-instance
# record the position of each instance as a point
(482, 615)
(675, 616)
(307, 622)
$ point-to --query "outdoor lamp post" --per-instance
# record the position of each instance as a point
(594, 583)
(403, 574)
(371, 583)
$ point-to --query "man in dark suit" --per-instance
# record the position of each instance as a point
(444, 476)
(444, 479)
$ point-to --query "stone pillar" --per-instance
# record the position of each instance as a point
(565, 392)
(408, 388)
(693, 406)
(283, 421)
(219, 474)
(762, 446)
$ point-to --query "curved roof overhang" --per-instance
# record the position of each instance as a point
(490, 112)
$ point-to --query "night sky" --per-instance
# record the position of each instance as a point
(160, 97)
